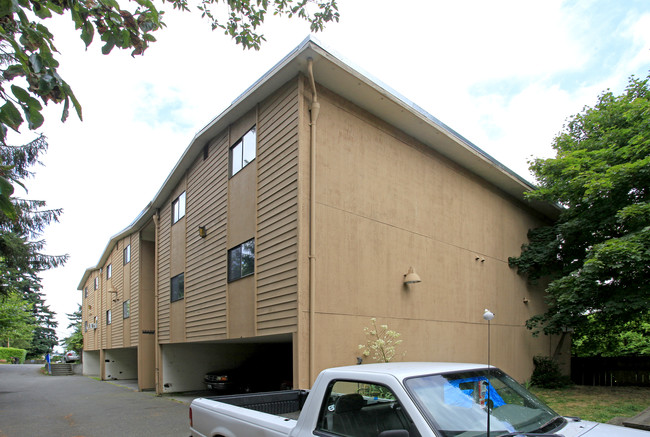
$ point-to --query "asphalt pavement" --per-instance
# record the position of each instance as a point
(33, 404)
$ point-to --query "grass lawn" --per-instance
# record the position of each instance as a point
(599, 404)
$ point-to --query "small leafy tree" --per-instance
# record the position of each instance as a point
(381, 343)
(16, 321)
(75, 341)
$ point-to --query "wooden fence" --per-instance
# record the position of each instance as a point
(611, 371)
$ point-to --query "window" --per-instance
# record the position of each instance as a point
(126, 309)
(126, 255)
(96, 283)
(178, 287)
(86, 326)
(86, 292)
(109, 271)
(352, 408)
(178, 208)
(241, 260)
(243, 152)
(108, 317)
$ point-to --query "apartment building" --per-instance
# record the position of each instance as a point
(293, 218)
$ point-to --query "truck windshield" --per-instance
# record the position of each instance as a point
(457, 404)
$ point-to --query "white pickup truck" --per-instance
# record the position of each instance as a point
(394, 400)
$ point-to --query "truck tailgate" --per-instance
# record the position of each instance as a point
(211, 417)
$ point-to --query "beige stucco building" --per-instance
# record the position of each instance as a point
(291, 221)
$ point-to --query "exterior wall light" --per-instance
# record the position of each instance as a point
(411, 277)
(203, 232)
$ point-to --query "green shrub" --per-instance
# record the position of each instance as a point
(6, 353)
(547, 373)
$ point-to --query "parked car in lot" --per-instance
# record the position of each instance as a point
(70, 356)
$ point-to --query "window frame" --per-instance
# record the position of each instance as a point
(126, 254)
(96, 283)
(178, 279)
(126, 309)
(109, 271)
(179, 206)
(237, 251)
(109, 317)
(238, 151)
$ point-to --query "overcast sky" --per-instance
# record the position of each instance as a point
(504, 74)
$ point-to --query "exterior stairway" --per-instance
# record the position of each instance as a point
(61, 369)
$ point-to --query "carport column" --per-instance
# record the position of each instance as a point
(102, 365)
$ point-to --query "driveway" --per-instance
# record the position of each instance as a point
(33, 404)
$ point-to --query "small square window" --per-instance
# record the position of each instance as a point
(126, 254)
(243, 152)
(178, 208)
(178, 287)
(126, 309)
(241, 260)
(108, 317)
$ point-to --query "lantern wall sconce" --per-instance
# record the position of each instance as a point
(203, 232)
(411, 277)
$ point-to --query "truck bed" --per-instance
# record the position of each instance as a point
(286, 403)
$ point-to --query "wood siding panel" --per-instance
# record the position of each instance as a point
(164, 262)
(276, 246)
(206, 268)
(115, 300)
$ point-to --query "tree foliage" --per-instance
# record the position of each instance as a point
(16, 321)
(596, 256)
(75, 341)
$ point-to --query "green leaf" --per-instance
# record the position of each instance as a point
(36, 63)
(41, 11)
(75, 102)
(10, 116)
(6, 188)
(6, 8)
(34, 117)
(87, 33)
(13, 71)
(25, 97)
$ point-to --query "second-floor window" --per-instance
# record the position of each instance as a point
(178, 208)
(243, 152)
(241, 260)
(126, 309)
(96, 284)
(86, 292)
(109, 271)
(178, 287)
(108, 317)
(126, 255)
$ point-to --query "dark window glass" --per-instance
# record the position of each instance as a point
(241, 260)
(178, 287)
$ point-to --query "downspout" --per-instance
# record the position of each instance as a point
(157, 355)
(313, 117)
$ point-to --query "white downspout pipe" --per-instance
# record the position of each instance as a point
(313, 117)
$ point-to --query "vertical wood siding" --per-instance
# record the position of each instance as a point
(277, 214)
(164, 260)
(135, 287)
(206, 268)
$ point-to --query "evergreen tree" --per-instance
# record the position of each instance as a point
(75, 341)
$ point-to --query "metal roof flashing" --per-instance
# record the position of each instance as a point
(368, 93)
